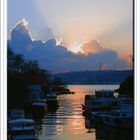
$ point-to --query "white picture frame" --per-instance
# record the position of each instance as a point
(3, 69)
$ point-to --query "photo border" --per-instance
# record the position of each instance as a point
(3, 68)
(137, 69)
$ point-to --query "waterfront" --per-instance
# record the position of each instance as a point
(67, 122)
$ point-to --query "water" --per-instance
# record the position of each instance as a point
(68, 123)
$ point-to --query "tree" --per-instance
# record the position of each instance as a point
(127, 87)
(21, 73)
(58, 84)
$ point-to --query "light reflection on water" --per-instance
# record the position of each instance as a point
(68, 123)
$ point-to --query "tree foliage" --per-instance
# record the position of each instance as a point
(22, 72)
(127, 87)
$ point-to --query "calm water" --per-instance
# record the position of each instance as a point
(68, 123)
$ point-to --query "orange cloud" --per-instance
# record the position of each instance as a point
(92, 47)
(128, 58)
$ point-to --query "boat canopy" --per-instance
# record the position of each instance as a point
(21, 121)
(52, 94)
(104, 93)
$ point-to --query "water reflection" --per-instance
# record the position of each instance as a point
(67, 121)
(52, 106)
(89, 124)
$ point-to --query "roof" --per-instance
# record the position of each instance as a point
(104, 91)
(22, 128)
(24, 137)
(39, 104)
(21, 121)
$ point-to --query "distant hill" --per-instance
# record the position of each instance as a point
(94, 77)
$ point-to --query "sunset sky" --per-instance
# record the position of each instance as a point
(80, 25)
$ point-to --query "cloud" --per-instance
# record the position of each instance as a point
(54, 56)
(128, 58)
(92, 47)
(20, 36)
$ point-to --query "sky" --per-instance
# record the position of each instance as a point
(88, 27)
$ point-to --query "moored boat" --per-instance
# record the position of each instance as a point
(51, 97)
(102, 100)
(22, 129)
(39, 105)
(19, 127)
(117, 118)
(16, 114)
(39, 109)
(100, 104)
(51, 100)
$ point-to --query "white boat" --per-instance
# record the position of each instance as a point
(39, 109)
(102, 100)
(20, 128)
(39, 105)
(118, 118)
(51, 96)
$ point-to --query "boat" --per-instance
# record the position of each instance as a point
(39, 109)
(95, 114)
(15, 114)
(122, 118)
(51, 97)
(52, 102)
(22, 129)
(106, 132)
(100, 104)
(19, 127)
(102, 100)
(39, 105)
(65, 91)
(122, 99)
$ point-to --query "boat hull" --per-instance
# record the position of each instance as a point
(91, 109)
(113, 121)
(121, 123)
(23, 137)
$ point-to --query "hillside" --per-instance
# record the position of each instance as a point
(94, 77)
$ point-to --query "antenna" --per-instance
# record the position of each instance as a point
(100, 65)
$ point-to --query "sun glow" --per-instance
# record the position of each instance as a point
(76, 48)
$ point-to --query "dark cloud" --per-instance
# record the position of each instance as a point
(55, 57)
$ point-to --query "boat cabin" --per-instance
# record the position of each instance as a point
(104, 93)
(51, 96)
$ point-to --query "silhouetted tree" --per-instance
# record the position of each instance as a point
(58, 84)
(127, 87)
(21, 73)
